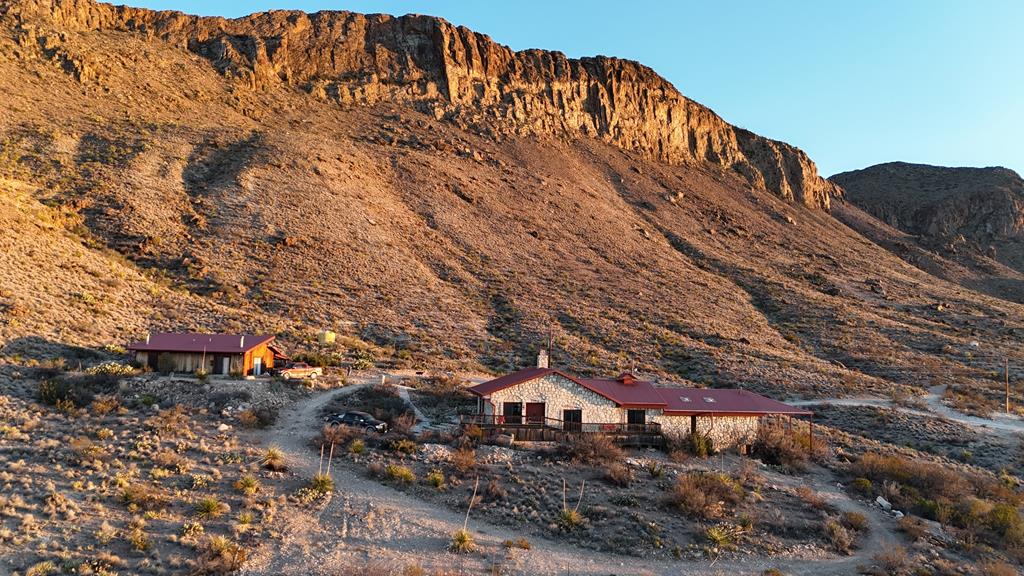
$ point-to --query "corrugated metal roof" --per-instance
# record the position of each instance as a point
(631, 393)
(194, 342)
(723, 401)
(635, 394)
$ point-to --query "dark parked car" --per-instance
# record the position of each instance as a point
(357, 420)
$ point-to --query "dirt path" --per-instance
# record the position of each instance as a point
(1000, 424)
(368, 522)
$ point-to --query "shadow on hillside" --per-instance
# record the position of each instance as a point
(39, 348)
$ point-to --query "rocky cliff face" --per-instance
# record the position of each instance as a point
(979, 205)
(456, 74)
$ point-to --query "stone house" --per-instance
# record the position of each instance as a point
(548, 398)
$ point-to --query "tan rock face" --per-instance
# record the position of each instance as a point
(462, 76)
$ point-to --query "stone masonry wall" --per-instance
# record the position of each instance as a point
(725, 431)
(559, 393)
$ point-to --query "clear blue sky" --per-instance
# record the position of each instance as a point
(852, 83)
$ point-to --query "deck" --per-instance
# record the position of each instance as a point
(535, 429)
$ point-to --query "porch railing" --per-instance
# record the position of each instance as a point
(513, 422)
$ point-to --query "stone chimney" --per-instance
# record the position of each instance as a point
(542, 358)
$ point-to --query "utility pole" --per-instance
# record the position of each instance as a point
(1006, 373)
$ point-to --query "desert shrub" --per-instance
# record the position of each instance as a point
(462, 542)
(722, 537)
(220, 556)
(404, 446)
(55, 392)
(192, 529)
(892, 560)
(403, 423)
(698, 444)
(855, 521)
(776, 446)
(273, 459)
(863, 486)
(705, 494)
(138, 539)
(1005, 521)
(210, 507)
(399, 473)
(811, 498)
(142, 496)
(495, 491)
(261, 417)
(926, 477)
(463, 460)
(521, 543)
(111, 368)
(436, 479)
(104, 404)
(322, 483)
(997, 568)
(356, 446)
(44, 568)
(570, 518)
(654, 469)
(837, 536)
(913, 527)
(471, 436)
(247, 485)
(172, 422)
(335, 435)
(594, 449)
(618, 474)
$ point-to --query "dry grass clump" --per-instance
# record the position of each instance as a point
(997, 568)
(104, 404)
(248, 485)
(261, 417)
(273, 459)
(462, 542)
(618, 473)
(837, 535)
(463, 460)
(707, 495)
(892, 561)
(144, 496)
(172, 422)
(399, 473)
(210, 507)
(220, 556)
(593, 449)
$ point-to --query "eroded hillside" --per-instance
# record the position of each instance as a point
(449, 220)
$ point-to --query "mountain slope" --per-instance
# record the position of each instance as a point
(459, 236)
(973, 217)
(457, 74)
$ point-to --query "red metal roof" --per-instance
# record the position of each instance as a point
(628, 392)
(192, 342)
(723, 401)
(635, 394)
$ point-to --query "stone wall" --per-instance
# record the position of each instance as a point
(559, 393)
(725, 431)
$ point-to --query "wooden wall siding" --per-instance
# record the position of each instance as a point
(261, 351)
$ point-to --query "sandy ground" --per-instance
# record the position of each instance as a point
(368, 523)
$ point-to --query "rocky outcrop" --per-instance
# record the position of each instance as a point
(460, 75)
(947, 208)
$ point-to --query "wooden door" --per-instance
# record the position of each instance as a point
(513, 412)
(535, 412)
(572, 420)
(636, 419)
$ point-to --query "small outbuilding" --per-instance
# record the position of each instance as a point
(225, 354)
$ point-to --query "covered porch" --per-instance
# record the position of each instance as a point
(539, 428)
